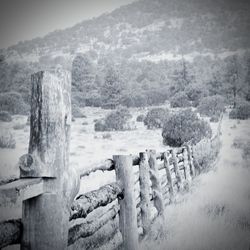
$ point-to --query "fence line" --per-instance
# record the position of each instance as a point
(118, 213)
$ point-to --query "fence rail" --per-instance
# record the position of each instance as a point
(117, 213)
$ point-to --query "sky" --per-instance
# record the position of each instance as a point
(26, 19)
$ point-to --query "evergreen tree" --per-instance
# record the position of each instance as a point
(111, 89)
(83, 75)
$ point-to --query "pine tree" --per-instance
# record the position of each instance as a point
(83, 75)
(111, 89)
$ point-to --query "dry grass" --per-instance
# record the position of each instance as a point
(215, 213)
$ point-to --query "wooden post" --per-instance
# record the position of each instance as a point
(144, 192)
(176, 169)
(128, 213)
(46, 217)
(156, 183)
(169, 176)
(186, 166)
(191, 162)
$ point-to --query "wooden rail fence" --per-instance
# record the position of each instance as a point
(119, 214)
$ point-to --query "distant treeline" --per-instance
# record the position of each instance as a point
(107, 83)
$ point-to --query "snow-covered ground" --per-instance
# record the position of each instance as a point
(215, 214)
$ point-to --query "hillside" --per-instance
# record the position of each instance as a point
(161, 28)
(151, 49)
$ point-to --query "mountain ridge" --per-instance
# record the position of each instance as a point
(148, 27)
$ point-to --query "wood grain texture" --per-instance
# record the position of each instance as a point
(145, 186)
(128, 213)
(86, 203)
(10, 232)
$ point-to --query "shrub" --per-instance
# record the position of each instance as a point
(7, 140)
(180, 100)
(100, 125)
(184, 126)
(211, 105)
(241, 112)
(94, 100)
(13, 103)
(195, 92)
(5, 116)
(116, 120)
(214, 118)
(107, 136)
(134, 100)
(76, 112)
(156, 96)
(78, 99)
(140, 118)
(246, 151)
(205, 152)
(156, 117)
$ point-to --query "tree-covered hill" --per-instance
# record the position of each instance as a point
(169, 26)
(144, 52)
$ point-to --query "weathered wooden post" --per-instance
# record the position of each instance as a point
(169, 176)
(177, 170)
(156, 183)
(128, 213)
(186, 166)
(45, 217)
(145, 192)
(191, 162)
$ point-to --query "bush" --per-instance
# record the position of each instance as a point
(134, 100)
(211, 105)
(100, 125)
(195, 92)
(107, 136)
(205, 153)
(5, 116)
(7, 140)
(214, 118)
(94, 99)
(140, 118)
(78, 99)
(76, 112)
(246, 151)
(241, 112)
(13, 103)
(116, 120)
(180, 100)
(183, 127)
(156, 117)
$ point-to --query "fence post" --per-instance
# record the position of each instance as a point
(169, 176)
(45, 218)
(186, 165)
(144, 192)
(177, 170)
(156, 183)
(128, 212)
(191, 162)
